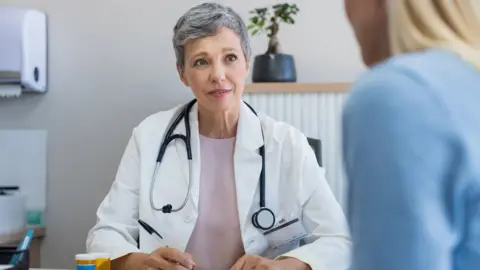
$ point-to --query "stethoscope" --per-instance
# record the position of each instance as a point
(263, 219)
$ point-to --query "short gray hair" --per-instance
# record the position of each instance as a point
(205, 20)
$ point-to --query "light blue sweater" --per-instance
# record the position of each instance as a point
(411, 145)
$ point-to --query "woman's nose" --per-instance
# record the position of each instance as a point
(217, 73)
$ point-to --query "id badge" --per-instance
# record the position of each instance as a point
(285, 233)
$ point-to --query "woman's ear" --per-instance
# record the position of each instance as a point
(248, 63)
(180, 71)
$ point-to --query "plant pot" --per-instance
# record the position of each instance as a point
(274, 68)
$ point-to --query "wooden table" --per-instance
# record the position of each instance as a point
(14, 238)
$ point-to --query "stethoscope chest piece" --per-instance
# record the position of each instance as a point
(263, 219)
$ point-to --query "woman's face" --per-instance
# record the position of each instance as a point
(370, 24)
(215, 69)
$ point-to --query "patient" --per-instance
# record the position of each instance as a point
(412, 136)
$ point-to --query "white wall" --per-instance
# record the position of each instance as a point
(112, 64)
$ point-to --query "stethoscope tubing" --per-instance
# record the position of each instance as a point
(185, 114)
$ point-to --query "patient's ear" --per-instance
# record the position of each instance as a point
(180, 71)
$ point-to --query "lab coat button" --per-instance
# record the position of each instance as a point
(188, 219)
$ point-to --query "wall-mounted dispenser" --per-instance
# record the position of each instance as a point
(23, 51)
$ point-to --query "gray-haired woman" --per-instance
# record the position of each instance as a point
(252, 190)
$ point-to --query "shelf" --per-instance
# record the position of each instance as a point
(296, 87)
(17, 236)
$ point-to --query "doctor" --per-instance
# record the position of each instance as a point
(251, 190)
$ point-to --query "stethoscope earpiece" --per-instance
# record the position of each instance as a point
(167, 208)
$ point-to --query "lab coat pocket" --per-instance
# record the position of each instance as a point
(150, 242)
(285, 232)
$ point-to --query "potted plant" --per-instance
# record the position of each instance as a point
(273, 65)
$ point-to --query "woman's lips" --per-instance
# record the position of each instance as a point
(219, 92)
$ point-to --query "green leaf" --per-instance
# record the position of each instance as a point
(261, 23)
(264, 18)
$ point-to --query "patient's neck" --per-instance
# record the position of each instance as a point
(218, 125)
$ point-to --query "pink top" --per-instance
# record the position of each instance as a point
(216, 241)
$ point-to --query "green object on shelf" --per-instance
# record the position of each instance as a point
(35, 217)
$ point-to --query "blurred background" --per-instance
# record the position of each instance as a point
(111, 64)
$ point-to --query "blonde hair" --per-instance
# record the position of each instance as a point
(421, 24)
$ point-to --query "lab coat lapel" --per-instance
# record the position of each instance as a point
(183, 159)
(248, 162)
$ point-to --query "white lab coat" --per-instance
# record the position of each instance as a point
(295, 187)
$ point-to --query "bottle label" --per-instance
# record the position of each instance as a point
(86, 267)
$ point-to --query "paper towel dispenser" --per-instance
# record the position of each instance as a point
(23, 49)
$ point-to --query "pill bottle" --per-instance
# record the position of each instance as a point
(85, 261)
(102, 261)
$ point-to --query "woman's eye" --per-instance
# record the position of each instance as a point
(231, 57)
(200, 62)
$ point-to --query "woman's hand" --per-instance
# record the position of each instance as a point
(249, 262)
(160, 259)
(169, 259)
